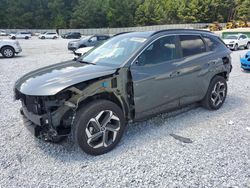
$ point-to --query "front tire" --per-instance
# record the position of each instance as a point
(8, 52)
(216, 93)
(98, 127)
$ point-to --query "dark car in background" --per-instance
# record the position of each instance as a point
(93, 40)
(129, 78)
(71, 35)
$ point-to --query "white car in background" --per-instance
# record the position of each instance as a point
(48, 35)
(9, 48)
(234, 42)
(20, 35)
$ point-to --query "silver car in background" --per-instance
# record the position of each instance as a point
(89, 41)
(9, 48)
(20, 35)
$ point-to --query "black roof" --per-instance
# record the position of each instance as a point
(181, 31)
(100, 35)
(148, 34)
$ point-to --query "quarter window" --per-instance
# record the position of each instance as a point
(191, 45)
(212, 43)
(160, 51)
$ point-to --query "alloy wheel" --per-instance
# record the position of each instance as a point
(218, 93)
(8, 52)
(101, 131)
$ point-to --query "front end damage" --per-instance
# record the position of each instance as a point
(48, 117)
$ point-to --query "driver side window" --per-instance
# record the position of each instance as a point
(160, 51)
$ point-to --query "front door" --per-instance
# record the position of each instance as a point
(154, 78)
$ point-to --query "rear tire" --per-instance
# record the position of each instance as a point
(216, 93)
(98, 127)
(8, 52)
(13, 37)
(26, 38)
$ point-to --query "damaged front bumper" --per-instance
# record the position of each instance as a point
(30, 125)
(40, 125)
(45, 118)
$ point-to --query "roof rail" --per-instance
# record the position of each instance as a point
(165, 30)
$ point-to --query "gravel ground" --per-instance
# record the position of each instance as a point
(147, 156)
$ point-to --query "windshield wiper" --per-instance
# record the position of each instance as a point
(85, 62)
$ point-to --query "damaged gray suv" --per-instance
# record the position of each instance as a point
(129, 78)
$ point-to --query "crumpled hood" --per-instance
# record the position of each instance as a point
(53, 79)
(228, 41)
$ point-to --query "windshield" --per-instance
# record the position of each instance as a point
(115, 51)
(231, 37)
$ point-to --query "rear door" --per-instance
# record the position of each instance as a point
(244, 40)
(154, 78)
(20, 35)
(190, 68)
(50, 35)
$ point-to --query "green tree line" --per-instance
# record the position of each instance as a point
(117, 13)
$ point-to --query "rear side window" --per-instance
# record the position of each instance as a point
(191, 45)
(212, 43)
